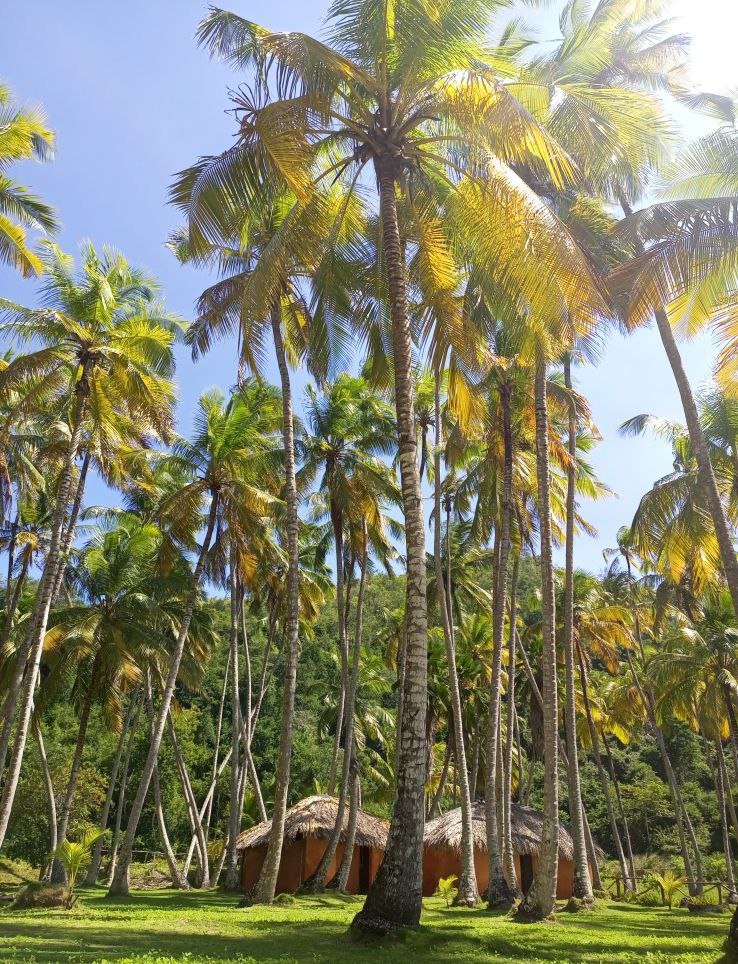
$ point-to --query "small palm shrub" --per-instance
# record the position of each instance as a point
(447, 890)
(76, 857)
(670, 884)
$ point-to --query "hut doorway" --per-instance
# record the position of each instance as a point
(526, 872)
(365, 869)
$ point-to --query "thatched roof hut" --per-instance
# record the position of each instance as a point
(316, 817)
(308, 827)
(526, 826)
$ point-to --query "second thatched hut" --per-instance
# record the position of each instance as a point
(442, 853)
(307, 829)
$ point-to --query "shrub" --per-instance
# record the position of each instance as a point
(670, 884)
(38, 894)
(447, 890)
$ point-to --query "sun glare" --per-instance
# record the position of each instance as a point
(712, 25)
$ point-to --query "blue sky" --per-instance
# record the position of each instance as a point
(133, 101)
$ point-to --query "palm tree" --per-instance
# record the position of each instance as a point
(348, 427)
(400, 87)
(226, 463)
(24, 134)
(119, 624)
(104, 342)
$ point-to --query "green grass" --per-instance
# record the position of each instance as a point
(161, 927)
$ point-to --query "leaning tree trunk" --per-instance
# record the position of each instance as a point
(621, 810)
(178, 878)
(499, 892)
(69, 530)
(11, 603)
(120, 883)
(628, 884)
(50, 796)
(28, 659)
(234, 818)
(319, 879)
(115, 841)
(467, 892)
(348, 851)
(649, 705)
(58, 873)
(395, 898)
(267, 883)
(130, 721)
(508, 858)
(582, 883)
(719, 778)
(540, 899)
(194, 813)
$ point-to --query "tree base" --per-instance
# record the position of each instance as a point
(576, 904)
(120, 885)
(500, 896)
(371, 928)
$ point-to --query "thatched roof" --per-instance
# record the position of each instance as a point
(527, 827)
(316, 817)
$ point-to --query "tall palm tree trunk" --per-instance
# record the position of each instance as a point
(621, 809)
(115, 841)
(50, 796)
(396, 895)
(193, 812)
(58, 873)
(130, 721)
(702, 456)
(120, 882)
(582, 884)
(178, 877)
(71, 526)
(677, 805)
(719, 778)
(468, 893)
(28, 659)
(344, 869)
(12, 601)
(319, 879)
(628, 884)
(234, 819)
(499, 892)
(267, 883)
(540, 899)
(508, 858)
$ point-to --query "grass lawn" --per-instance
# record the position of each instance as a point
(159, 927)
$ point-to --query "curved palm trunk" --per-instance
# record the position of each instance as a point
(58, 873)
(621, 810)
(499, 892)
(719, 778)
(28, 659)
(234, 820)
(130, 721)
(582, 884)
(468, 893)
(12, 602)
(508, 858)
(178, 878)
(395, 897)
(628, 884)
(320, 877)
(50, 796)
(702, 457)
(121, 803)
(348, 852)
(194, 814)
(69, 530)
(267, 883)
(677, 804)
(540, 899)
(120, 881)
